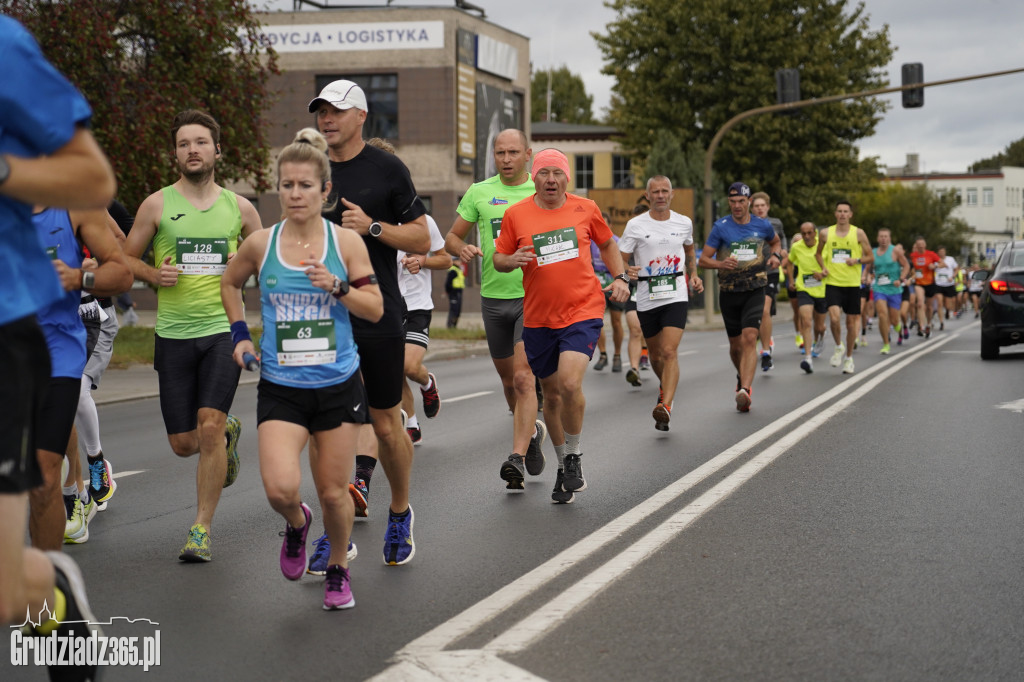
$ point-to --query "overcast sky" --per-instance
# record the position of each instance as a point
(959, 124)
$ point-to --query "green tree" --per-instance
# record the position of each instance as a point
(570, 102)
(140, 62)
(689, 67)
(683, 165)
(1013, 155)
(908, 211)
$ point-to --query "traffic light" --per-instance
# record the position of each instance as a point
(912, 74)
(787, 85)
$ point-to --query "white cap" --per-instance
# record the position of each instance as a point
(342, 94)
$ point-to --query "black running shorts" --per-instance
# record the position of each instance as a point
(22, 394)
(382, 362)
(194, 373)
(315, 409)
(741, 310)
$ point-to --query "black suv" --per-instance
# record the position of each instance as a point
(1002, 301)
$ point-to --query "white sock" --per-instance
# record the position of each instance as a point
(412, 423)
(572, 443)
(560, 454)
(70, 490)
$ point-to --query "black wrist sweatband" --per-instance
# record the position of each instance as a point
(239, 332)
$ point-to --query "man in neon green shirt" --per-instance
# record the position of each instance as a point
(195, 225)
(483, 207)
(843, 249)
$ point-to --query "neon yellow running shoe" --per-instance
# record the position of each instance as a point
(233, 429)
(197, 548)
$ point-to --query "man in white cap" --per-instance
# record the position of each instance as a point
(377, 199)
(548, 235)
(736, 248)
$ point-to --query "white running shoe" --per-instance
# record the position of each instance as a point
(837, 357)
(848, 365)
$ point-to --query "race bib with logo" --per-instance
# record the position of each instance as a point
(840, 255)
(305, 342)
(661, 286)
(810, 281)
(744, 251)
(201, 256)
(556, 246)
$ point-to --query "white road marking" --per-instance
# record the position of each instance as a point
(417, 659)
(966, 352)
(122, 474)
(1013, 406)
(468, 396)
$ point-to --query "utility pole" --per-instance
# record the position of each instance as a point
(711, 276)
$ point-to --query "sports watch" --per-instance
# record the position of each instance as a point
(341, 287)
(88, 279)
(376, 229)
(623, 276)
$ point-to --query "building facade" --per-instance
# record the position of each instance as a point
(990, 201)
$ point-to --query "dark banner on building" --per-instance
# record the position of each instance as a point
(465, 101)
(496, 110)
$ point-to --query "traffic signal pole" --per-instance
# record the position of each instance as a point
(711, 277)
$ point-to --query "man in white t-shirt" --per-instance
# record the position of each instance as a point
(661, 244)
(945, 284)
(414, 280)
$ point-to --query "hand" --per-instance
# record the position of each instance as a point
(167, 274)
(241, 348)
(633, 271)
(523, 256)
(823, 273)
(412, 263)
(354, 218)
(852, 261)
(697, 284)
(620, 291)
(729, 263)
(318, 274)
(70, 278)
(469, 252)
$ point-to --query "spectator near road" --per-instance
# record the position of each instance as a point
(195, 225)
(501, 295)
(454, 284)
(313, 277)
(548, 235)
(736, 247)
(47, 156)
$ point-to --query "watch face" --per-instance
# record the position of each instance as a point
(375, 229)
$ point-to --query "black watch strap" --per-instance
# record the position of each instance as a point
(5, 170)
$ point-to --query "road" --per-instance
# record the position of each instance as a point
(849, 527)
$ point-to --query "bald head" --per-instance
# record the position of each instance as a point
(511, 154)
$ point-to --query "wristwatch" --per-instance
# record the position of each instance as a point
(623, 276)
(5, 170)
(376, 229)
(88, 279)
(341, 287)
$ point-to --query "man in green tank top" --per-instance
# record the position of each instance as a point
(501, 295)
(843, 249)
(195, 226)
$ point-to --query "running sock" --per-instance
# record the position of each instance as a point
(412, 422)
(364, 467)
(70, 490)
(84, 495)
(572, 443)
(560, 454)
(392, 512)
(428, 385)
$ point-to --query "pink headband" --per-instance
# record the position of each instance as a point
(551, 157)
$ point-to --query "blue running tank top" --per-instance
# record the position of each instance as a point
(307, 334)
(61, 324)
(887, 273)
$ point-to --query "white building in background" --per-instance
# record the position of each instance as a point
(990, 201)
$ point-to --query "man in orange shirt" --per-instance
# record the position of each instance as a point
(924, 263)
(548, 235)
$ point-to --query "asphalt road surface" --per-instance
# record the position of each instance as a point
(849, 527)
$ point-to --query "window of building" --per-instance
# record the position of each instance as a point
(622, 171)
(958, 196)
(381, 90)
(972, 196)
(987, 196)
(584, 171)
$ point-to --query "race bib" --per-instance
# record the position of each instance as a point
(556, 246)
(661, 286)
(201, 256)
(305, 342)
(883, 280)
(495, 229)
(918, 274)
(810, 281)
(743, 251)
(840, 255)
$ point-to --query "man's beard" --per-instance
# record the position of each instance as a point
(199, 176)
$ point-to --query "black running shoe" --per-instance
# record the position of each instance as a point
(513, 472)
(633, 376)
(431, 400)
(573, 475)
(534, 454)
(559, 495)
(415, 435)
(766, 362)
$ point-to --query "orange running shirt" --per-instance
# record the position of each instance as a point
(923, 275)
(559, 285)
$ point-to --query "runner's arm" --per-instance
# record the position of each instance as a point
(77, 175)
(455, 241)
(364, 301)
(142, 234)
(113, 275)
(251, 222)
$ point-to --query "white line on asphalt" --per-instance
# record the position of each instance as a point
(436, 640)
(969, 352)
(122, 474)
(534, 625)
(468, 396)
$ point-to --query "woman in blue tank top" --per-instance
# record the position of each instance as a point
(313, 275)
